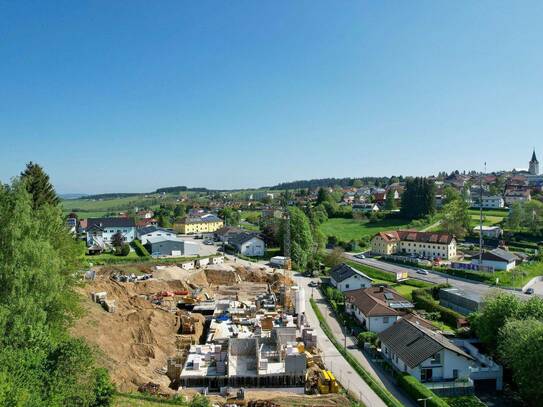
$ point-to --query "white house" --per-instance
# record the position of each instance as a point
(489, 201)
(497, 259)
(346, 278)
(424, 354)
(153, 231)
(101, 230)
(365, 207)
(248, 244)
(376, 308)
(491, 232)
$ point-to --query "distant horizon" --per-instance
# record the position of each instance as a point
(126, 97)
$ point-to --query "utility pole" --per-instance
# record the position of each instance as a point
(481, 219)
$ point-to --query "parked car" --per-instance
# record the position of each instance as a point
(422, 271)
(360, 256)
(313, 284)
(208, 242)
(529, 291)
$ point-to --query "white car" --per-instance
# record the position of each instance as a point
(422, 271)
(360, 256)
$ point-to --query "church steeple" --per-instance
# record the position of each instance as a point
(533, 169)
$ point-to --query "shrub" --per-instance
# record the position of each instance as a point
(140, 249)
(424, 300)
(417, 390)
(367, 337)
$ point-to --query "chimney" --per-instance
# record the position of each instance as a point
(381, 288)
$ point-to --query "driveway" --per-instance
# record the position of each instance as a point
(332, 359)
(434, 277)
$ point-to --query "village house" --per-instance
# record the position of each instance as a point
(346, 278)
(207, 223)
(365, 208)
(248, 244)
(100, 231)
(497, 259)
(410, 242)
(490, 232)
(517, 195)
(425, 354)
(377, 308)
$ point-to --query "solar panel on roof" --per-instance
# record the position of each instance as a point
(389, 296)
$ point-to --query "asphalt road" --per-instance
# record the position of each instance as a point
(332, 359)
(436, 278)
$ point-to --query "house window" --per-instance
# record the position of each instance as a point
(346, 285)
(385, 320)
(425, 375)
(436, 359)
(455, 374)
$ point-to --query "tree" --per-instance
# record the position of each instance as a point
(455, 218)
(516, 216)
(488, 322)
(390, 202)
(301, 238)
(451, 194)
(40, 364)
(418, 199)
(38, 185)
(521, 349)
(334, 257)
(231, 216)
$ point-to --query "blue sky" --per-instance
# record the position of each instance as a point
(131, 96)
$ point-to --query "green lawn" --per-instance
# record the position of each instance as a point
(100, 207)
(352, 229)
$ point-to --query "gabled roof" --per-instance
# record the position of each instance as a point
(342, 272)
(499, 255)
(110, 223)
(414, 343)
(207, 218)
(227, 230)
(415, 236)
(238, 239)
(378, 301)
(152, 229)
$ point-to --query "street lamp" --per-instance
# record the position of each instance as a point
(425, 400)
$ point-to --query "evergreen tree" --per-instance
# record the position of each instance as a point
(390, 203)
(38, 185)
(418, 199)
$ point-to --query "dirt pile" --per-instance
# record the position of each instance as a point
(137, 339)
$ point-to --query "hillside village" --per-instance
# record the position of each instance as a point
(250, 305)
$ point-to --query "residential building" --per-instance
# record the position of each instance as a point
(101, 230)
(497, 259)
(490, 232)
(248, 244)
(346, 278)
(517, 195)
(377, 308)
(365, 207)
(224, 233)
(207, 223)
(170, 246)
(144, 234)
(425, 354)
(146, 222)
(409, 242)
(488, 201)
(534, 165)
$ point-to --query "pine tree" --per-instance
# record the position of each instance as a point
(38, 185)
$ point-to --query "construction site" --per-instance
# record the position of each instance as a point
(230, 330)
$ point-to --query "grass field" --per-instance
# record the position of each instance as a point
(87, 208)
(352, 229)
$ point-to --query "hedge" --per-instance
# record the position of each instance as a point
(140, 249)
(373, 272)
(381, 391)
(417, 390)
(424, 300)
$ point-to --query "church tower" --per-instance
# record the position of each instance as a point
(534, 165)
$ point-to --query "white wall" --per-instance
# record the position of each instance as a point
(129, 234)
(352, 283)
(145, 237)
(253, 247)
